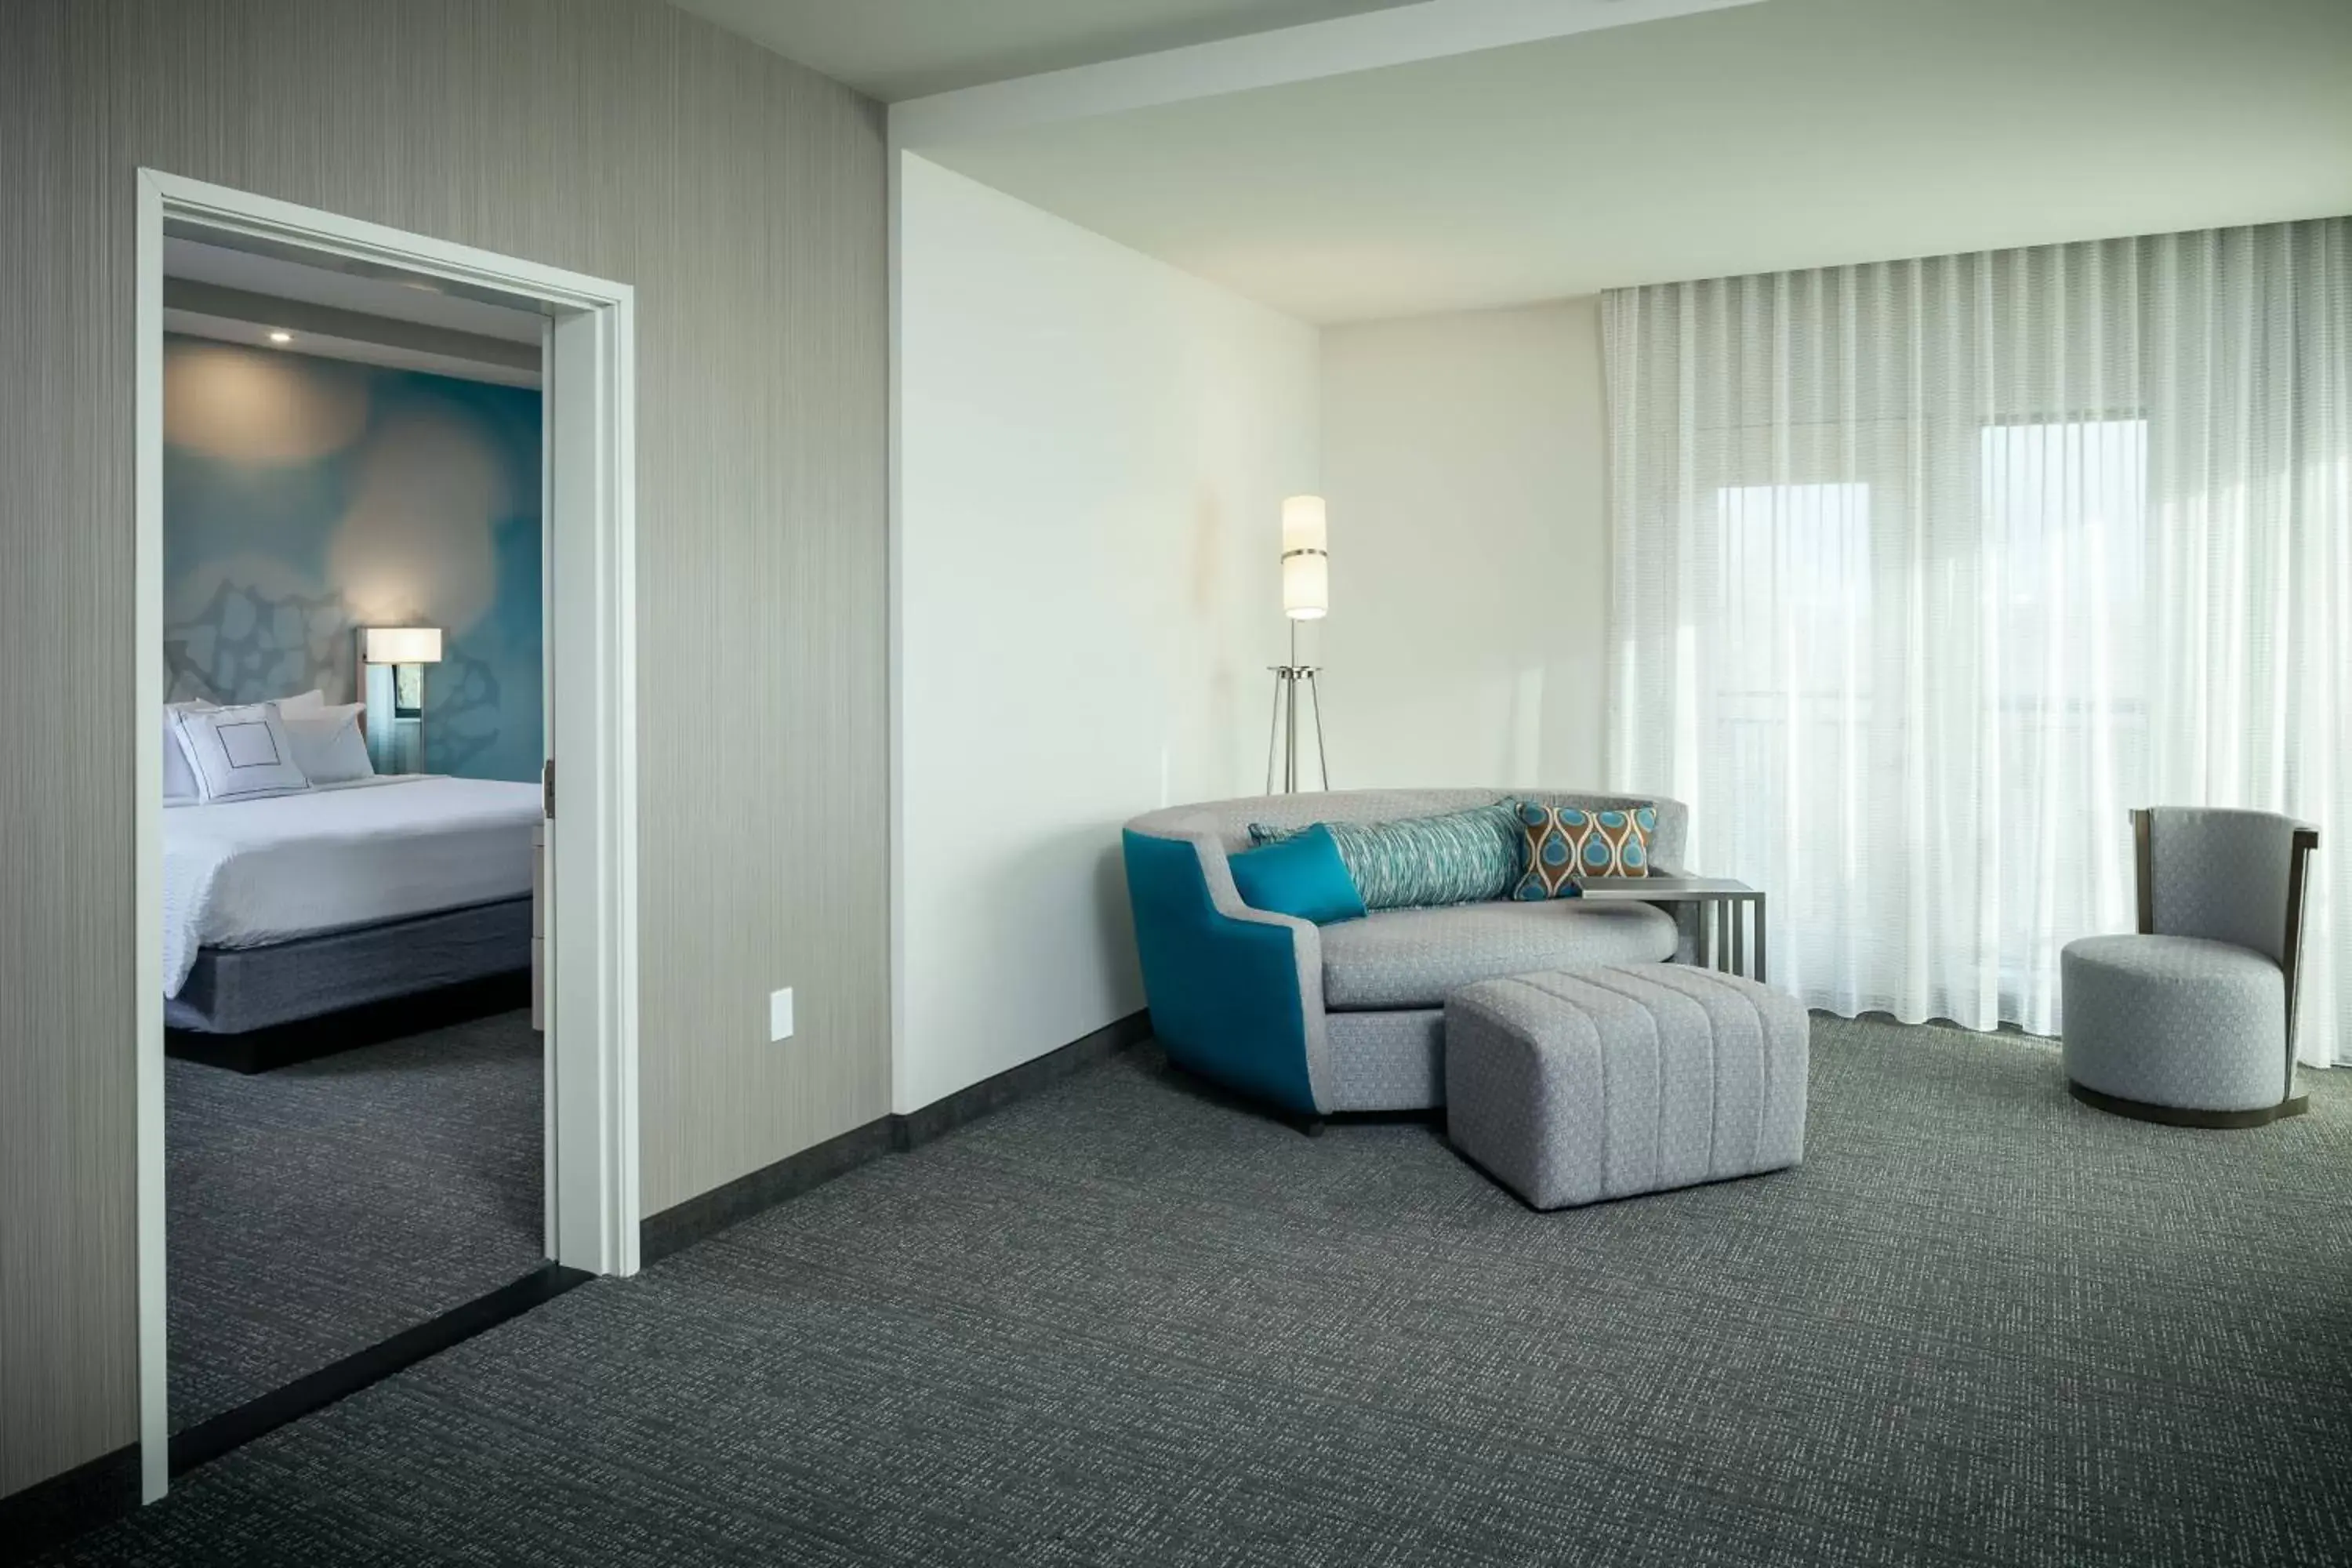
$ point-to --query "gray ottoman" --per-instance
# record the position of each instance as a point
(1569, 1088)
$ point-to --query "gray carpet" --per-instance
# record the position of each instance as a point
(321, 1208)
(1126, 1323)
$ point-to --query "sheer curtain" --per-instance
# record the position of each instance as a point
(1926, 572)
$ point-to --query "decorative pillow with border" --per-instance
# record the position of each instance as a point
(180, 783)
(239, 752)
(1565, 843)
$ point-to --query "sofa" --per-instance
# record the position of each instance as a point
(1350, 1016)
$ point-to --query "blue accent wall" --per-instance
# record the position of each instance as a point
(305, 498)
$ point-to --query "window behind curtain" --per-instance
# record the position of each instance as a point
(1925, 573)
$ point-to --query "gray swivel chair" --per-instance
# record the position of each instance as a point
(2192, 1022)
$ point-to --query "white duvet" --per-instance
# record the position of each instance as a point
(247, 873)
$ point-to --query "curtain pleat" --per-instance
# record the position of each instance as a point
(1926, 572)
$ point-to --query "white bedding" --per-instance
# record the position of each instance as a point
(248, 873)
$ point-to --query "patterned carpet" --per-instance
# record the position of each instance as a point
(319, 1208)
(1127, 1322)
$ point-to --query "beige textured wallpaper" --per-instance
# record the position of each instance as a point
(744, 198)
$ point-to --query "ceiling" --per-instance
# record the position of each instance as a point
(1791, 133)
(894, 49)
(294, 307)
(401, 299)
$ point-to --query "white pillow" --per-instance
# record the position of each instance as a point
(328, 743)
(312, 702)
(235, 753)
(179, 781)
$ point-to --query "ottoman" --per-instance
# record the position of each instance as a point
(1569, 1088)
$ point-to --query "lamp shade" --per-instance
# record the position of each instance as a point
(403, 645)
(1305, 559)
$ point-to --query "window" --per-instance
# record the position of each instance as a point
(2062, 561)
(1796, 586)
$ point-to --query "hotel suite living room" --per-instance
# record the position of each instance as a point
(1176, 781)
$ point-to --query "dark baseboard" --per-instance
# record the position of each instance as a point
(49, 1513)
(370, 1023)
(208, 1440)
(919, 1127)
(682, 1225)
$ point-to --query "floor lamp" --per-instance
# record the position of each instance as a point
(1306, 596)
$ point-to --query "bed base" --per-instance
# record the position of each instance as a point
(370, 1023)
(252, 1009)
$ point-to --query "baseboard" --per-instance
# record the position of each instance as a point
(682, 1225)
(208, 1440)
(920, 1126)
(369, 1023)
(51, 1512)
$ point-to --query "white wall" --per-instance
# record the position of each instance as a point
(1464, 460)
(1093, 448)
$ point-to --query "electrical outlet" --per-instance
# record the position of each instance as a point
(779, 1014)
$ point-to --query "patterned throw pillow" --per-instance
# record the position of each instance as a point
(1458, 858)
(1565, 843)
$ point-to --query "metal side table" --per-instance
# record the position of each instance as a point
(1728, 913)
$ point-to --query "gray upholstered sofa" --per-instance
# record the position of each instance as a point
(1348, 1017)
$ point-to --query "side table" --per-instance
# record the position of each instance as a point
(1729, 911)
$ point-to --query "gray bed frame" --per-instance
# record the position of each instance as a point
(256, 1007)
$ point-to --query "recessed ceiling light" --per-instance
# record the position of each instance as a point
(281, 337)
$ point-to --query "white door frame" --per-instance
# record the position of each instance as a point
(591, 647)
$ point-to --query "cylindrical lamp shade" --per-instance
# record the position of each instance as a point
(1305, 559)
(1305, 587)
(1305, 524)
(403, 645)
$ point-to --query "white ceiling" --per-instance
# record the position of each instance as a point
(367, 350)
(1790, 134)
(415, 300)
(894, 49)
(406, 323)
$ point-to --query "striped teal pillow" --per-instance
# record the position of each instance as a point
(1458, 858)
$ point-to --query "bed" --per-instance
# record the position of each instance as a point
(298, 923)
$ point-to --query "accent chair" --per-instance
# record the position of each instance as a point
(2190, 1021)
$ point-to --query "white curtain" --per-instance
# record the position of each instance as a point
(1926, 572)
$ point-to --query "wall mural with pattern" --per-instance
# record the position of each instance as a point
(305, 498)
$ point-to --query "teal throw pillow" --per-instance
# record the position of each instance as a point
(1454, 857)
(1301, 876)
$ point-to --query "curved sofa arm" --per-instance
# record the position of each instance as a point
(1236, 993)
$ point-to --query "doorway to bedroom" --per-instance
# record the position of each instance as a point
(386, 1055)
(353, 737)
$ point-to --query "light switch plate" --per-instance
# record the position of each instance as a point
(779, 1014)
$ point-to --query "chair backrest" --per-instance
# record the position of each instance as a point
(2228, 876)
(1229, 820)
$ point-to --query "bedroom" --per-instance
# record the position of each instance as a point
(353, 634)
